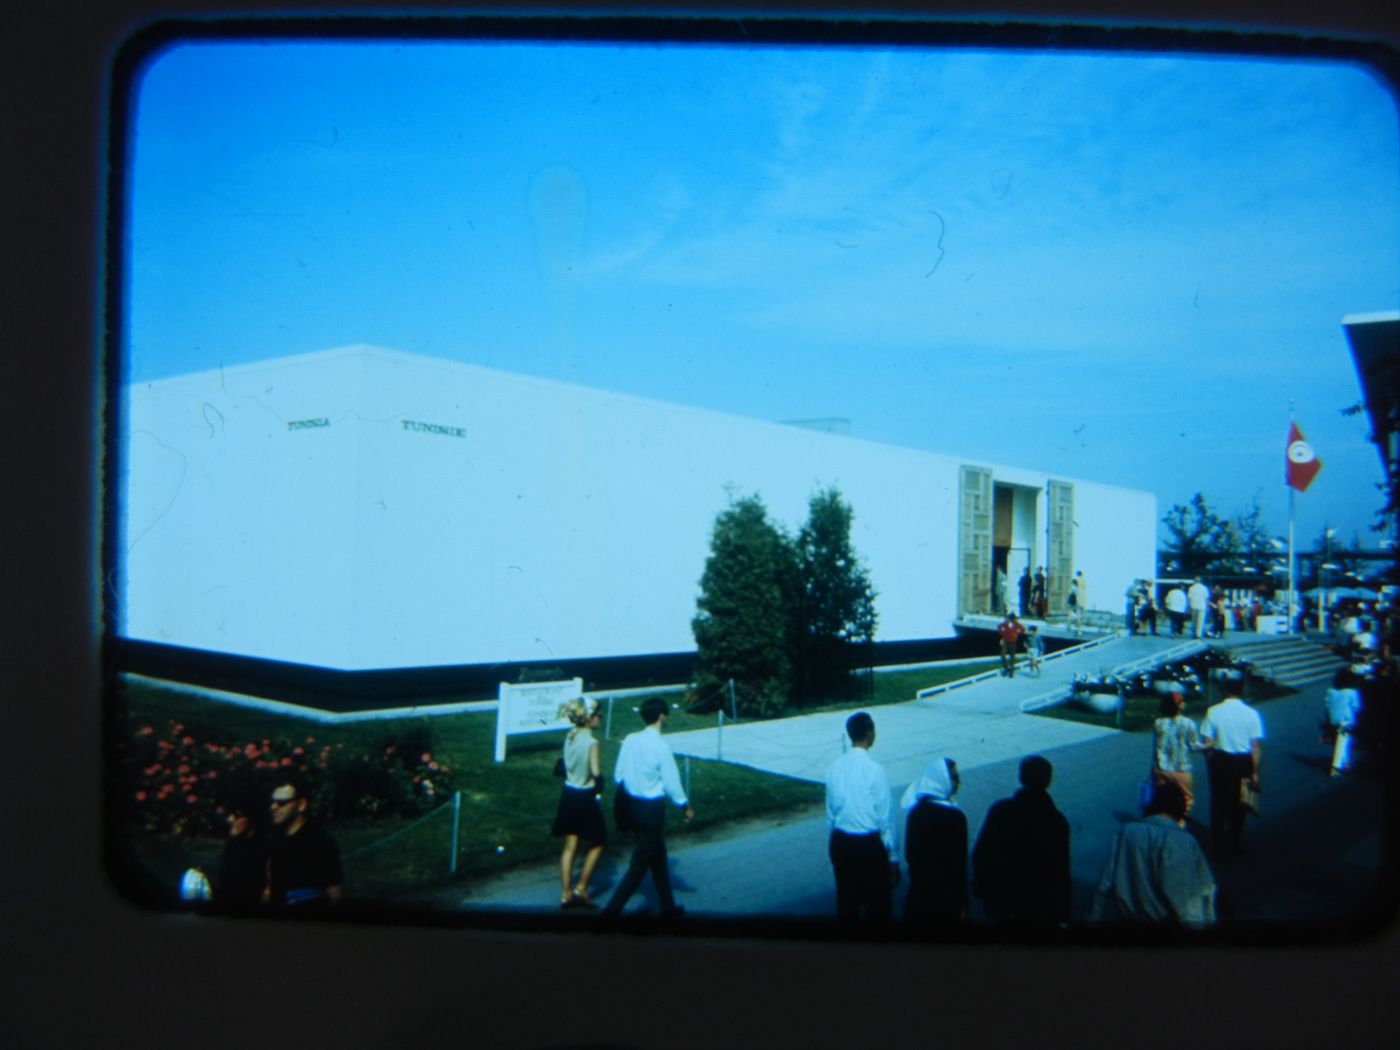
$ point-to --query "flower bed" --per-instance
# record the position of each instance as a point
(180, 779)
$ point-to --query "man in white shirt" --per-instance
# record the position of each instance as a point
(1197, 597)
(1233, 734)
(859, 812)
(1176, 609)
(646, 771)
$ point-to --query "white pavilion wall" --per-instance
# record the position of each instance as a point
(1115, 540)
(238, 531)
(571, 522)
(450, 514)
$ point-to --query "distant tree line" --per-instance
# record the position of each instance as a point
(786, 618)
(1200, 542)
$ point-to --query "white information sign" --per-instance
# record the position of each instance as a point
(532, 708)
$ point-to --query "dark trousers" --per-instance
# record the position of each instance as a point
(648, 855)
(862, 868)
(1225, 771)
(1008, 658)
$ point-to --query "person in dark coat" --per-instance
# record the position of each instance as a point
(242, 879)
(1020, 864)
(935, 847)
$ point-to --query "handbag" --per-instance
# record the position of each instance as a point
(1145, 792)
(1249, 797)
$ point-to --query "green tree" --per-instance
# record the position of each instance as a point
(743, 623)
(1198, 540)
(835, 609)
(1252, 539)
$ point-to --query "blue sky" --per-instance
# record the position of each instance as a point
(1119, 268)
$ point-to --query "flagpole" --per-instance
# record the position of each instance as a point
(1292, 619)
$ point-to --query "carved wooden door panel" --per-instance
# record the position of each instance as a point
(1059, 559)
(974, 540)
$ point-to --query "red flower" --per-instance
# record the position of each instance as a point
(140, 796)
(297, 751)
(191, 799)
(286, 761)
(187, 741)
(147, 730)
(183, 769)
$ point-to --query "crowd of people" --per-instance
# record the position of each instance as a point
(1019, 863)
(277, 857)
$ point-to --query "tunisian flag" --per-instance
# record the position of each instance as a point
(1302, 464)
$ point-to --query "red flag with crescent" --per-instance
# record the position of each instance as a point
(1302, 463)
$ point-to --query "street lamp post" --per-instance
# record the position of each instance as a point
(1322, 577)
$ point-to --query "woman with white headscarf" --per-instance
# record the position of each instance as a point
(935, 846)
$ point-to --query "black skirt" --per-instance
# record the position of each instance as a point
(579, 814)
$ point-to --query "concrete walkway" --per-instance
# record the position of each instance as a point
(976, 724)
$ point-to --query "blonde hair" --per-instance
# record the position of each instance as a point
(580, 712)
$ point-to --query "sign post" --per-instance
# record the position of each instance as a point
(532, 708)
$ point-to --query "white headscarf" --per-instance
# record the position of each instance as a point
(935, 783)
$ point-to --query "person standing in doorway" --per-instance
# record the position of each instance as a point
(1023, 592)
(1038, 593)
(863, 844)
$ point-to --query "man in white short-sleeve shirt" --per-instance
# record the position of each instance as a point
(1233, 734)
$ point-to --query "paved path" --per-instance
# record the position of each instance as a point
(977, 725)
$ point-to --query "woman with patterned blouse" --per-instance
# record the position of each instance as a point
(1174, 737)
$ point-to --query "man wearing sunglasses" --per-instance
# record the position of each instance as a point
(304, 866)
